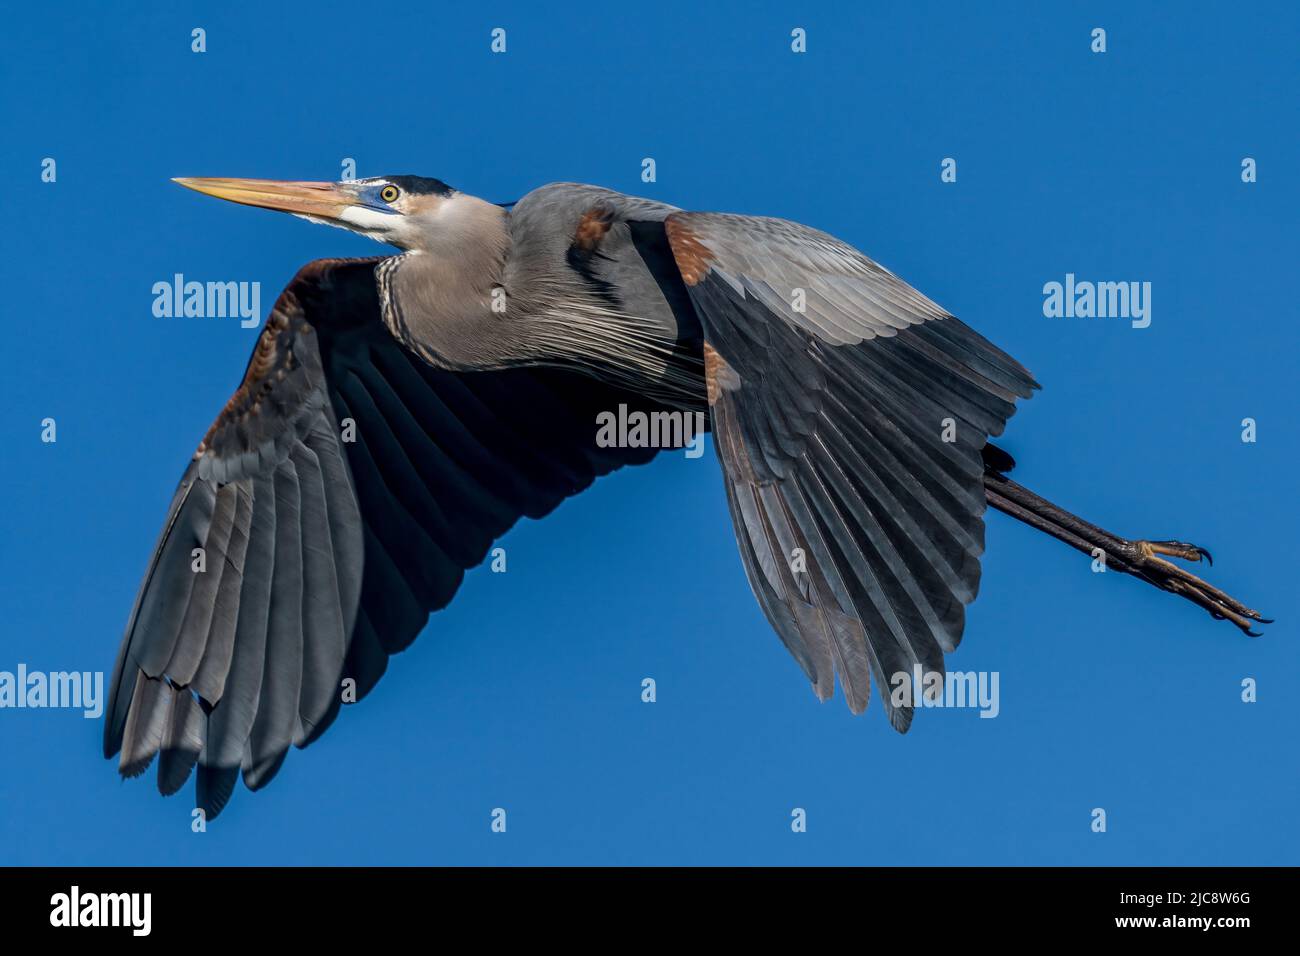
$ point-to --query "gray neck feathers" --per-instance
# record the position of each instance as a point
(439, 300)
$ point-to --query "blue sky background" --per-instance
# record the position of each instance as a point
(525, 694)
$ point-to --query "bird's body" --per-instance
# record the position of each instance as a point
(583, 278)
(401, 413)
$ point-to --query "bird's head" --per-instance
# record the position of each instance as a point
(410, 212)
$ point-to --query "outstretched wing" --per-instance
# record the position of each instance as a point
(337, 499)
(849, 412)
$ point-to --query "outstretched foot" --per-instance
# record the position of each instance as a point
(1143, 559)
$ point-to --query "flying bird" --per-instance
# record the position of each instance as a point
(400, 413)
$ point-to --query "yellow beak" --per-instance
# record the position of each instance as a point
(324, 200)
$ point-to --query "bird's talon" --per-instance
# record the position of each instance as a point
(1174, 549)
(1147, 562)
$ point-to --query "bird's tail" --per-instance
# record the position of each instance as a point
(1142, 559)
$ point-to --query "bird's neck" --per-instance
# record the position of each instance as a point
(445, 301)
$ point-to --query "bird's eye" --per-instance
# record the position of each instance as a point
(388, 193)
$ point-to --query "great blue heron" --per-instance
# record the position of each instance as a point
(398, 414)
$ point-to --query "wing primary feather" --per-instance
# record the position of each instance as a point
(182, 742)
(210, 675)
(193, 638)
(276, 722)
(324, 645)
(232, 715)
(150, 706)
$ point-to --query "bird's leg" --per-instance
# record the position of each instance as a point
(1142, 559)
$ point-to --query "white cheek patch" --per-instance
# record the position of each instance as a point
(387, 228)
(364, 219)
